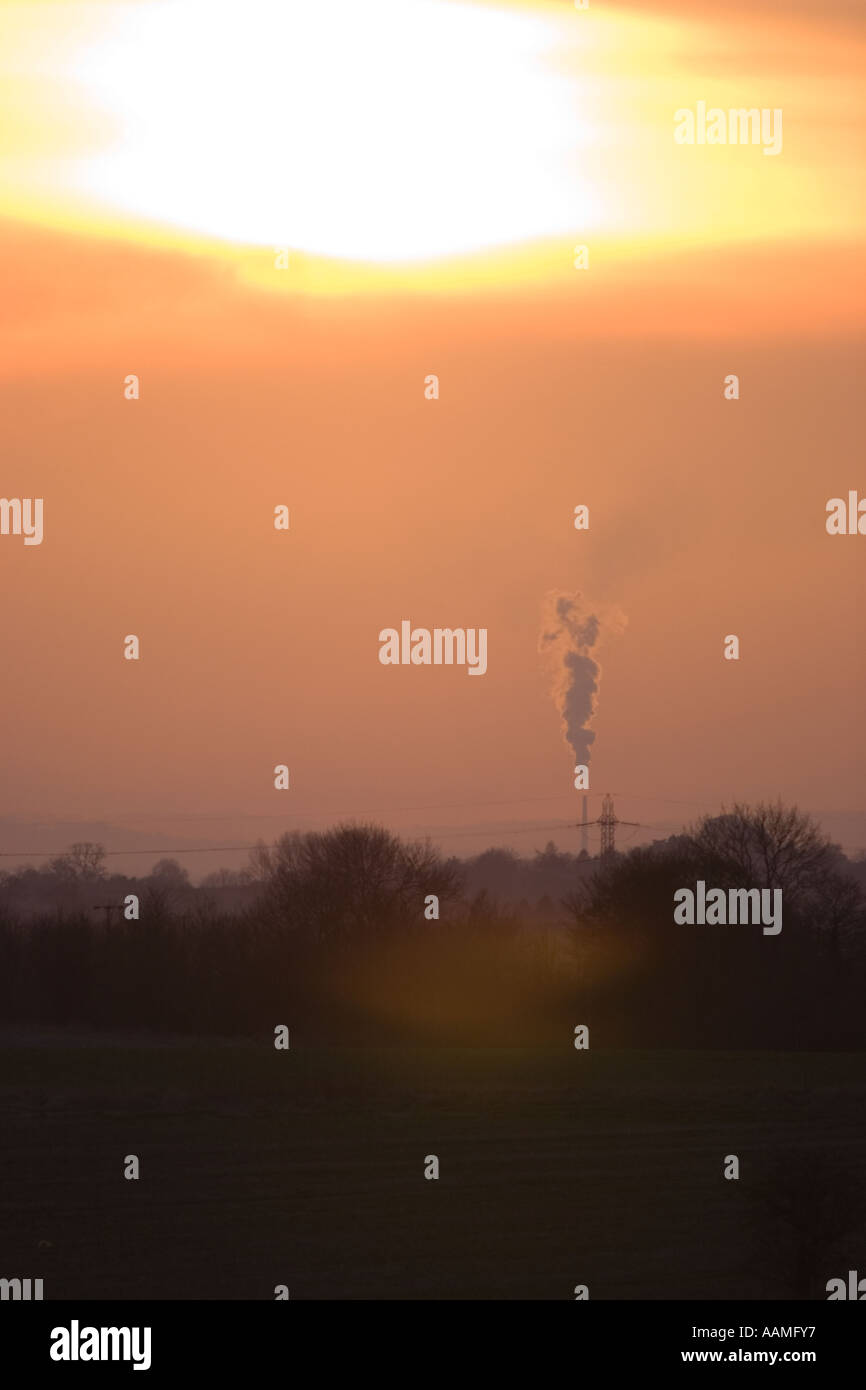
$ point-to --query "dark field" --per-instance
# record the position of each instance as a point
(305, 1168)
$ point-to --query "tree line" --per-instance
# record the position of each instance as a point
(356, 934)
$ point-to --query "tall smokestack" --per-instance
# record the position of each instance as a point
(584, 834)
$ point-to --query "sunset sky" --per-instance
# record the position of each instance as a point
(430, 167)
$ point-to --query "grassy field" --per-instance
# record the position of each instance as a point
(305, 1168)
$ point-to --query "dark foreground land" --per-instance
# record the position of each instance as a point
(306, 1168)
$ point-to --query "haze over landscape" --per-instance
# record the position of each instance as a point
(434, 430)
(305, 387)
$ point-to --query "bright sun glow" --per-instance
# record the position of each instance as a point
(381, 131)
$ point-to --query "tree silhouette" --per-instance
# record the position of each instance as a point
(352, 883)
(83, 862)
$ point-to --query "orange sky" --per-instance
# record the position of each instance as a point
(558, 387)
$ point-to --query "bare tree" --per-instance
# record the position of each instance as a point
(170, 873)
(352, 882)
(775, 846)
(83, 862)
(768, 845)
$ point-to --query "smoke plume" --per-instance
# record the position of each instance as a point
(571, 629)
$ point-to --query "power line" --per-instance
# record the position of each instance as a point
(395, 810)
(233, 849)
(380, 810)
(321, 811)
(198, 849)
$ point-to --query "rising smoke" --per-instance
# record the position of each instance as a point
(571, 629)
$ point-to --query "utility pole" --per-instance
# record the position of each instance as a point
(608, 820)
